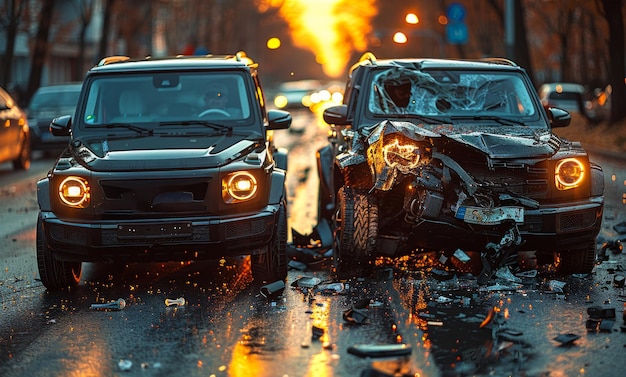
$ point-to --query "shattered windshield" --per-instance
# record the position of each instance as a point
(157, 100)
(450, 93)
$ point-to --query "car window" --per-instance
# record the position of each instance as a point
(156, 97)
(432, 93)
(54, 99)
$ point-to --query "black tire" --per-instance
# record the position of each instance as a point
(356, 232)
(577, 261)
(55, 275)
(22, 162)
(272, 265)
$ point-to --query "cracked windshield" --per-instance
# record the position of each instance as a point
(312, 188)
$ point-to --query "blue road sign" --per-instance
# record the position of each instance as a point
(455, 12)
(456, 33)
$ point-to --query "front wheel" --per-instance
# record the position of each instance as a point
(356, 232)
(272, 265)
(55, 275)
(577, 261)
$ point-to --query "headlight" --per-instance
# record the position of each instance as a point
(75, 192)
(569, 173)
(238, 187)
(406, 157)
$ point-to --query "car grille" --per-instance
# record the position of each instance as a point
(517, 178)
(154, 196)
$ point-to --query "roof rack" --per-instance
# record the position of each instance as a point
(113, 59)
(503, 61)
(368, 56)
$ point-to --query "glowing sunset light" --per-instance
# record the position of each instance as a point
(331, 29)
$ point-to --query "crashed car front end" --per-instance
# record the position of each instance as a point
(445, 160)
(454, 202)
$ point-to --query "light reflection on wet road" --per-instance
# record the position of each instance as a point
(228, 329)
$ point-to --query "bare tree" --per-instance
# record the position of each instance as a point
(617, 75)
(85, 12)
(11, 13)
(106, 28)
(40, 50)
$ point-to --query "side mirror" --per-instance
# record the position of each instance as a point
(559, 117)
(278, 119)
(61, 126)
(337, 115)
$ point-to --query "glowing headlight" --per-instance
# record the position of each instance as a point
(75, 192)
(403, 156)
(569, 173)
(239, 186)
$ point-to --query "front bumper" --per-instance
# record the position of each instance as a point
(167, 239)
(547, 228)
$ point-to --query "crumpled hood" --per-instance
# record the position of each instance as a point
(509, 146)
(508, 142)
(161, 152)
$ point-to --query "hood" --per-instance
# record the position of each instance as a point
(162, 152)
(509, 146)
(507, 142)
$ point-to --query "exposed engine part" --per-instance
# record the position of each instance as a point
(426, 204)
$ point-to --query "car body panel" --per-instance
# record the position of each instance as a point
(138, 182)
(443, 154)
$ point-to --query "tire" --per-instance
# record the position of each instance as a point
(22, 162)
(356, 232)
(272, 265)
(55, 275)
(577, 261)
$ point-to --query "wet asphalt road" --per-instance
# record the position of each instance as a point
(226, 328)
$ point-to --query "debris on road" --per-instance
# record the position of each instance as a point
(566, 339)
(178, 301)
(273, 289)
(355, 315)
(380, 350)
(119, 304)
(125, 365)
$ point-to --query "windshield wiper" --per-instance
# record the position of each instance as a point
(139, 130)
(501, 120)
(218, 127)
(423, 118)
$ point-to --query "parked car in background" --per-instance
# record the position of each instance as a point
(14, 133)
(47, 103)
(567, 96)
(296, 94)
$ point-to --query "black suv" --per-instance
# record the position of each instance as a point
(441, 155)
(169, 159)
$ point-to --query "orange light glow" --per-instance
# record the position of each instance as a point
(411, 18)
(400, 37)
(331, 29)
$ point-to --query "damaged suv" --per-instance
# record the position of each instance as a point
(441, 155)
(169, 159)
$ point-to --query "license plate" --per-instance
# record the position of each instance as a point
(490, 216)
(154, 231)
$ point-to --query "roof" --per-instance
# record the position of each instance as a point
(368, 59)
(125, 63)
